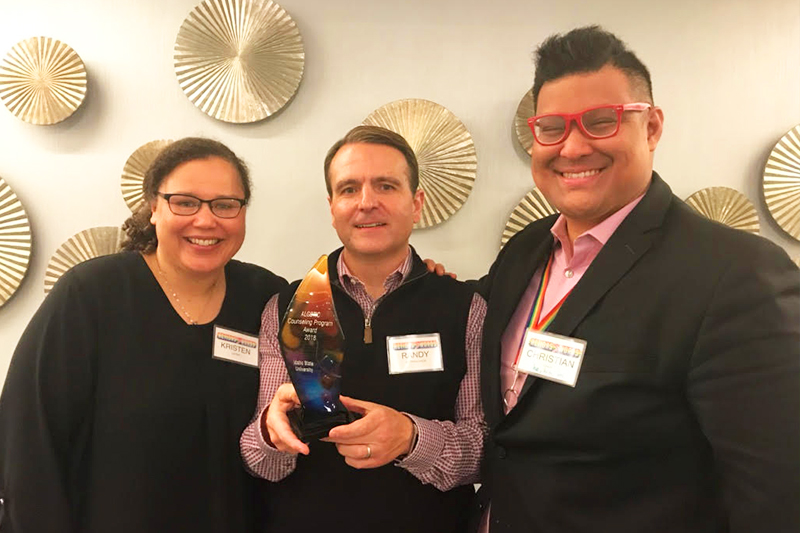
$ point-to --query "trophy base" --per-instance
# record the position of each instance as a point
(308, 426)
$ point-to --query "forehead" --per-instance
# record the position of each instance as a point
(212, 176)
(576, 92)
(360, 161)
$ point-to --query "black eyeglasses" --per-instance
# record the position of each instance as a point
(186, 205)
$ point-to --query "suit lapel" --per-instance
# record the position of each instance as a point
(519, 277)
(634, 236)
(523, 257)
(618, 255)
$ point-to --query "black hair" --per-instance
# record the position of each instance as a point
(587, 49)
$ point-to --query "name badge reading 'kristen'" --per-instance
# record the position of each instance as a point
(551, 356)
(415, 353)
(235, 346)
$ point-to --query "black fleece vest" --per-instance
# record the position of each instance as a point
(324, 493)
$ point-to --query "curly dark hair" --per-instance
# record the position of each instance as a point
(141, 234)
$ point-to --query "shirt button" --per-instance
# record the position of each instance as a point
(501, 452)
(568, 273)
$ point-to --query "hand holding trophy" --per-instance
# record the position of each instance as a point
(312, 345)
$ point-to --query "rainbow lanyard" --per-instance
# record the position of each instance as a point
(535, 322)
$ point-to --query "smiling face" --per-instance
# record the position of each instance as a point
(201, 243)
(590, 179)
(372, 207)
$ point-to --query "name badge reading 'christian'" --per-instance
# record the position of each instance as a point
(235, 346)
(550, 356)
(415, 353)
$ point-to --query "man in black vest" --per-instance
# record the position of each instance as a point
(641, 366)
(409, 462)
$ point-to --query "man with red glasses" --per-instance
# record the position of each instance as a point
(641, 366)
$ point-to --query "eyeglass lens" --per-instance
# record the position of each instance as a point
(601, 122)
(181, 204)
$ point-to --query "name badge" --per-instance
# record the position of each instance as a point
(235, 346)
(550, 356)
(415, 353)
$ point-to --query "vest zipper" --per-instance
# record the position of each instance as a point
(368, 320)
(368, 330)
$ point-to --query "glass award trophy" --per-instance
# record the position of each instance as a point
(312, 345)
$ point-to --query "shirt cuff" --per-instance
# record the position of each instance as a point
(261, 438)
(263, 441)
(430, 443)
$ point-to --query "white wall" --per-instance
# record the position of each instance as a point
(726, 72)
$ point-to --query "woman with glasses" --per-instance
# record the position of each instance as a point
(129, 388)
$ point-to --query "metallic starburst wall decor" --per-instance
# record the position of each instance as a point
(533, 206)
(85, 245)
(782, 183)
(444, 149)
(239, 60)
(727, 206)
(42, 81)
(135, 168)
(524, 112)
(15, 242)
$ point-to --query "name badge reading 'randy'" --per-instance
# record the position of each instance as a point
(415, 353)
(235, 346)
(550, 356)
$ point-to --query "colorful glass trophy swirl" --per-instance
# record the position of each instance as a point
(312, 345)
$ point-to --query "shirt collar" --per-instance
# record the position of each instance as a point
(601, 232)
(390, 283)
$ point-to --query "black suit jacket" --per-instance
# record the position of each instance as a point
(686, 413)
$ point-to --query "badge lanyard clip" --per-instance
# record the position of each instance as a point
(534, 322)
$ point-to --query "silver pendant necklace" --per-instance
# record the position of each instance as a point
(191, 321)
